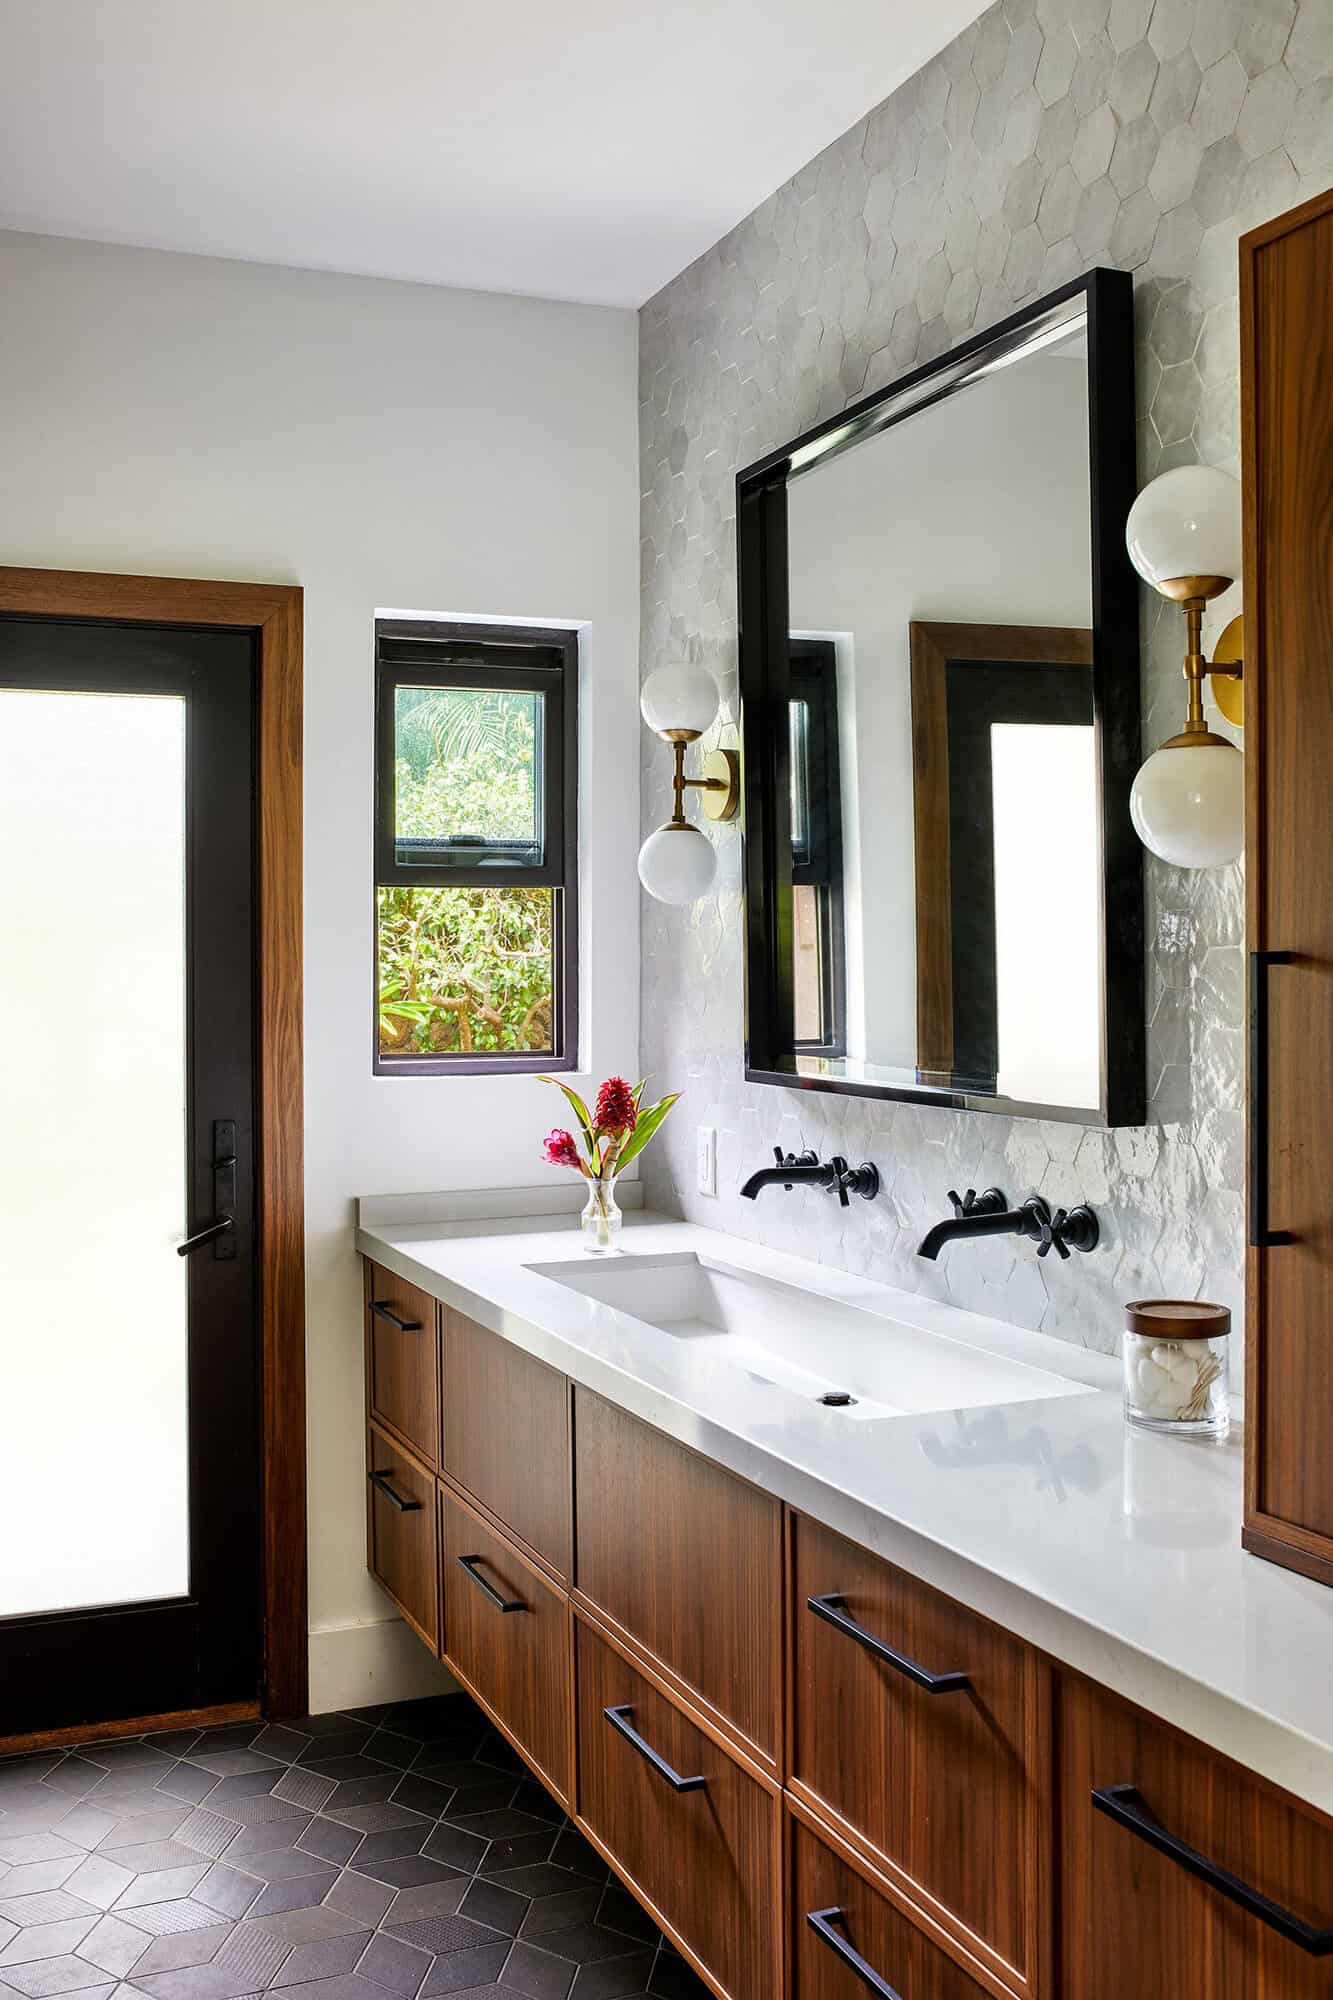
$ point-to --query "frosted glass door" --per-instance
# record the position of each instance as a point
(94, 1467)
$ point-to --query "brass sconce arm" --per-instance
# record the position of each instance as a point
(720, 783)
(1226, 669)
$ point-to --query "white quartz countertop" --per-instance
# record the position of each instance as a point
(1115, 1551)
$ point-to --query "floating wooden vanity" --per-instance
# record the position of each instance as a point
(820, 1776)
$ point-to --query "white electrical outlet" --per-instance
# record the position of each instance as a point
(706, 1144)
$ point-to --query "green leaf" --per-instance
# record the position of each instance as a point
(649, 1121)
(580, 1112)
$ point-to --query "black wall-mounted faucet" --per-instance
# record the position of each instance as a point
(989, 1214)
(808, 1170)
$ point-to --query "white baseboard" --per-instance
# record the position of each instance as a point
(382, 1660)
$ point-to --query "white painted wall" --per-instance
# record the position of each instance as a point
(385, 446)
(975, 509)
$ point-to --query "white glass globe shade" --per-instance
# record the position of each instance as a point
(1188, 804)
(1186, 523)
(679, 697)
(677, 864)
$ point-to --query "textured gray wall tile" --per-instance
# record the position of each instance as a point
(1050, 135)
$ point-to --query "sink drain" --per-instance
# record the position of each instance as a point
(836, 1399)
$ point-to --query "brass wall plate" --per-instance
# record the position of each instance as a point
(722, 769)
(1229, 690)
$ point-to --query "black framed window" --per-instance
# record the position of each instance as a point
(819, 948)
(476, 848)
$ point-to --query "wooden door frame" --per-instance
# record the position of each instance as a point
(273, 614)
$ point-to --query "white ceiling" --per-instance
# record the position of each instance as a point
(583, 149)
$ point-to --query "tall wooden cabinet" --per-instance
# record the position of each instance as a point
(1286, 299)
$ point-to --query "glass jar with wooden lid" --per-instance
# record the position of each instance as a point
(1175, 1366)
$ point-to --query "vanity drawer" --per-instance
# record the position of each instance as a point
(947, 1786)
(705, 1854)
(1134, 1919)
(402, 1361)
(686, 1560)
(506, 1435)
(401, 1535)
(506, 1635)
(837, 1915)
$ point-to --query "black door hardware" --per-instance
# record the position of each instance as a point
(383, 1311)
(821, 1923)
(501, 1603)
(1261, 1236)
(221, 1231)
(619, 1718)
(833, 1610)
(1124, 1804)
(381, 1481)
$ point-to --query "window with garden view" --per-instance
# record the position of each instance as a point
(475, 848)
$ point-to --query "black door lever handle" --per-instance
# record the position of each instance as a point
(208, 1235)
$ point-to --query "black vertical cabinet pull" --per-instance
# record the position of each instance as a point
(1261, 1236)
(221, 1231)
(1124, 1804)
(833, 1610)
(821, 1923)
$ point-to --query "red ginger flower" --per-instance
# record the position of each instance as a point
(559, 1150)
(616, 1112)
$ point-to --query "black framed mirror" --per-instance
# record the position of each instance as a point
(939, 667)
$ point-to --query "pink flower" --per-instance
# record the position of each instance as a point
(616, 1112)
(559, 1150)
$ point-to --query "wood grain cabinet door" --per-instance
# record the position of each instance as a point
(401, 1534)
(506, 1436)
(686, 1560)
(402, 1361)
(506, 1636)
(849, 1940)
(680, 1819)
(922, 1732)
(1286, 284)
(1138, 1920)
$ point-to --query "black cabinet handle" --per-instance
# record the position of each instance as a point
(821, 1923)
(381, 1480)
(619, 1719)
(1261, 1236)
(208, 1234)
(833, 1610)
(395, 1319)
(1124, 1804)
(469, 1563)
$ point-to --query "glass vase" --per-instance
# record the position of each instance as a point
(601, 1216)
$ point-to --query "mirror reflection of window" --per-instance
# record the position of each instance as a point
(818, 949)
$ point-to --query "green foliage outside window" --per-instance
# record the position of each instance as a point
(465, 970)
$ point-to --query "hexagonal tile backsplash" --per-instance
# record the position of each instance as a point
(1050, 136)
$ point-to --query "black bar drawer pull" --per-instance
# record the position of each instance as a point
(1124, 1804)
(619, 1718)
(469, 1563)
(381, 1481)
(1261, 1236)
(821, 1923)
(833, 1610)
(384, 1311)
(208, 1234)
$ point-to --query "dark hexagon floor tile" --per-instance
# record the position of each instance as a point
(470, 1971)
(619, 1911)
(345, 1986)
(405, 1871)
(47, 1906)
(45, 1976)
(431, 1899)
(124, 1756)
(393, 1963)
(254, 1954)
(113, 1946)
(329, 1841)
(256, 1781)
(183, 1914)
(557, 1913)
(168, 1954)
(304, 1789)
(228, 1891)
(356, 1896)
(391, 1843)
(360, 1792)
(273, 1836)
(456, 1849)
(422, 1795)
(537, 1974)
(535, 1799)
(229, 1736)
(176, 1742)
(672, 1979)
(85, 1825)
(280, 1742)
(343, 1769)
(187, 1783)
(324, 1958)
(386, 1747)
(74, 1776)
(194, 1982)
(486, 1903)
(493, 1794)
(344, 1742)
(502, 1855)
(254, 1809)
(295, 1892)
(236, 1763)
(335, 1723)
(614, 1978)
(281, 1864)
(207, 1832)
(584, 1943)
(447, 1933)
